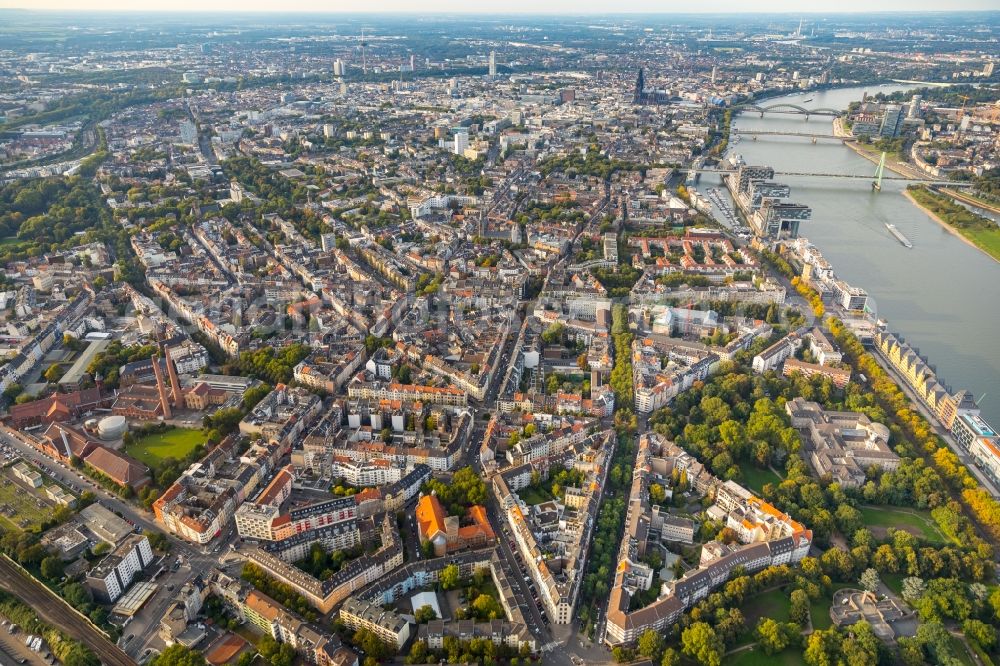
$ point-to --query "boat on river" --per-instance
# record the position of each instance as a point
(898, 234)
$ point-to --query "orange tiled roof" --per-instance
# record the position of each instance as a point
(430, 516)
(263, 605)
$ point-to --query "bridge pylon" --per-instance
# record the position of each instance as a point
(877, 183)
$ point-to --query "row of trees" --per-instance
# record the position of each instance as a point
(69, 651)
(782, 266)
(909, 423)
(472, 651)
(621, 373)
(283, 593)
(602, 560)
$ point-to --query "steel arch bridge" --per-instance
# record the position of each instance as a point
(790, 108)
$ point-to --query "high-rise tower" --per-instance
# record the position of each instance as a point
(364, 57)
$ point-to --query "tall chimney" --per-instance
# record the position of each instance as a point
(159, 387)
(69, 454)
(175, 384)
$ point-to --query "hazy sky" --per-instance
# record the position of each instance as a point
(506, 6)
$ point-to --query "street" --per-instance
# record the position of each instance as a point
(196, 561)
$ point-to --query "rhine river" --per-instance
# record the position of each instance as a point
(942, 296)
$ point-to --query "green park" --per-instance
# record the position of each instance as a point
(154, 447)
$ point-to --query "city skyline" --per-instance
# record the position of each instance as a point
(561, 333)
(559, 7)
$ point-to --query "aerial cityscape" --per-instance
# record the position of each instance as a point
(507, 338)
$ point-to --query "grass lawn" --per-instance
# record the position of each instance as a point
(979, 230)
(170, 443)
(916, 521)
(894, 582)
(773, 604)
(893, 156)
(19, 509)
(533, 496)
(986, 239)
(961, 652)
(756, 657)
(755, 478)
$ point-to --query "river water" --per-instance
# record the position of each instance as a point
(942, 296)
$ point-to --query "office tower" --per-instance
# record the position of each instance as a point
(461, 142)
(493, 63)
(779, 219)
(747, 174)
(189, 133)
(988, 69)
(715, 71)
(413, 63)
(914, 110)
(892, 121)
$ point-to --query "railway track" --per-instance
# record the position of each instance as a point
(57, 613)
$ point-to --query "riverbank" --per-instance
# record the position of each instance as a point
(874, 156)
(992, 250)
(943, 317)
(971, 200)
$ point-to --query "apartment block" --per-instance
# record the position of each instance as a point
(113, 575)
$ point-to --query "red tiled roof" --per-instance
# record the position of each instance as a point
(122, 468)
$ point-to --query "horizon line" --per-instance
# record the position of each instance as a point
(389, 12)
